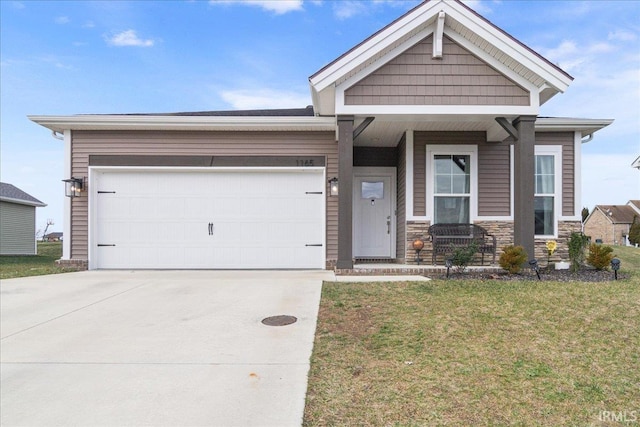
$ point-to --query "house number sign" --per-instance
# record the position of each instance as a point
(305, 162)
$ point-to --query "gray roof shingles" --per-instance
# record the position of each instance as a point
(10, 192)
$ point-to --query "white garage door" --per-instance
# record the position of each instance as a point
(222, 219)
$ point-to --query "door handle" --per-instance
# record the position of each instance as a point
(389, 224)
(210, 229)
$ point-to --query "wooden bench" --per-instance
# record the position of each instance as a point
(446, 238)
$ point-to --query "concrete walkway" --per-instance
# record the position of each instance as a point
(161, 348)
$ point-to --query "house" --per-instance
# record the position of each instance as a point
(56, 236)
(432, 119)
(17, 221)
(610, 224)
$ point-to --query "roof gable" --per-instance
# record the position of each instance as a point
(461, 24)
(12, 194)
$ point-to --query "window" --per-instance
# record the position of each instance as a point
(372, 190)
(451, 183)
(547, 177)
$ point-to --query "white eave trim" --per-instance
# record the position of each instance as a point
(22, 202)
(560, 124)
(218, 123)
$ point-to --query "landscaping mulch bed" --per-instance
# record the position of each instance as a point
(585, 274)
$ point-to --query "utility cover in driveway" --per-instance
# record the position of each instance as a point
(220, 219)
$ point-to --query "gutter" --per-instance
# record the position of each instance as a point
(149, 122)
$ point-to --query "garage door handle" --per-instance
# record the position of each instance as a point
(104, 244)
(313, 244)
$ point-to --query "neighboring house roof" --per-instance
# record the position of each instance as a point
(12, 194)
(636, 163)
(54, 235)
(635, 204)
(618, 214)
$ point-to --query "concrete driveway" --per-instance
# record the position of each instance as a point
(156, 348)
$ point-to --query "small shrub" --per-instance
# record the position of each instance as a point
(600, 256)
(512, 258)
(577, 243)
(462, 257)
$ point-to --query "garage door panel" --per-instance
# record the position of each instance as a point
(259, 219)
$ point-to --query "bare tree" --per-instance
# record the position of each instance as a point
(44, 233)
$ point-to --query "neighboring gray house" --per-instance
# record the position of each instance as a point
(432, 119)
(17, 221)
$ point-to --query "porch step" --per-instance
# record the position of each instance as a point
(405, 270)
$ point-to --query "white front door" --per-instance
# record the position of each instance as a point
(374, 221)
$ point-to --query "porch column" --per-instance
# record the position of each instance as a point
(345, 195)
(523, 213)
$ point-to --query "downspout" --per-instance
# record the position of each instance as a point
(55, 134)
(589, 138)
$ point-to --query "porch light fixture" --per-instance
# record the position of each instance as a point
(73, 187)
(535, 267)
(615, 265)
(417, 246)
(333, 186)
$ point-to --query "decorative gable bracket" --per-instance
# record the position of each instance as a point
(437, 37)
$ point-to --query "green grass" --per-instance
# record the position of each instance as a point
(475, 352)
(34, 265)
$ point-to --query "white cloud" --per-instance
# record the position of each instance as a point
(608, 179)
(62, 20)
(279, 7)
(348, 8)
(264, 98)
(128, 38)
(478, 5)
(622, 35)
(601, 48)
(18, 5)
(88, 24)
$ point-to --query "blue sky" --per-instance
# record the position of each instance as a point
(79, 57)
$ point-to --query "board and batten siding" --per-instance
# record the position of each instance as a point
(17, 229)
(415, 78)
(197, 143)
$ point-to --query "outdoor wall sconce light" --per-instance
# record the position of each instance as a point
(535, 267)
(333, 186)
(448, 263)
(417, 246)
(615, 265)
(73, 187)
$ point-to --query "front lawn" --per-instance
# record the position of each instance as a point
(478, 352)
(34, 265)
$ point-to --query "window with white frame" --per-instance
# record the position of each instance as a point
(451, 183)
(547, 190)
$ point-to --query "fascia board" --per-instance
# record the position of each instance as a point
(556, 124)
(375, 45)
(554, 77)
(22, 202)
(150, 122)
